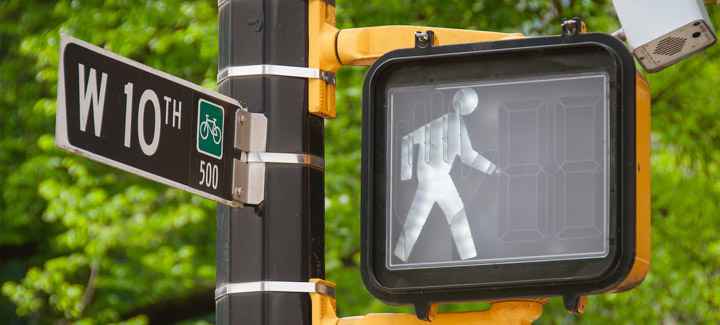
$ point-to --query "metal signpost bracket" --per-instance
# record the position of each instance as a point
(249, 170)
(250, 136)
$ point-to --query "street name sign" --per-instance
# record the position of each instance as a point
(127, 115)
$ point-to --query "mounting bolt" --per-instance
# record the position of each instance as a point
(569, 26)
(239, 191)
(243, 119)
(327, 77)
(422, 38)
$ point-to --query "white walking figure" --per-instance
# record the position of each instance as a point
(439, 143)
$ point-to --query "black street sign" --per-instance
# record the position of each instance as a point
(127, 115)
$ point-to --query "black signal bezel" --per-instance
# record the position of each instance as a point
(580, 53)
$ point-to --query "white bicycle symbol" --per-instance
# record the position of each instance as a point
(206, 130)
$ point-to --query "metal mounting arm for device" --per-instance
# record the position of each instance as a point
(330, 48)
(324, 312)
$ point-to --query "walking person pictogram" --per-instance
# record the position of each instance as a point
(439, 143)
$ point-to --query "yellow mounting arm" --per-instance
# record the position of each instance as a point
(362, 46)
(330, 48)
(324, 312)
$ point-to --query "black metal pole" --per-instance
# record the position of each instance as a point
(282, 239)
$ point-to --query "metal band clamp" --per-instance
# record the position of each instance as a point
(273, 286)
(284, 158)
(249, 172)
(275, 70)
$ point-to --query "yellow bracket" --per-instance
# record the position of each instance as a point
(321, 55)
(362, 46)
(324, 312)
(330, 48)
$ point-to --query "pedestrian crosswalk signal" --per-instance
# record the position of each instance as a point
(507, 169)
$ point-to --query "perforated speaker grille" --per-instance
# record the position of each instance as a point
(670, 46)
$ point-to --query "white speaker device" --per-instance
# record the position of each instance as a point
(664, 32)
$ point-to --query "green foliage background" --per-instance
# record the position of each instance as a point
(84, 243)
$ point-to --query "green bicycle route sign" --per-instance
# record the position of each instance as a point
(127, 115)
(210, 129)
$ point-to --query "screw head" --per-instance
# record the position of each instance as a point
(570, 26)
(422, 37)
(239, 191)
(243, 119)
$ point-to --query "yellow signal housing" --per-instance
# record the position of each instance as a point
(330, 49)
(642, 254)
